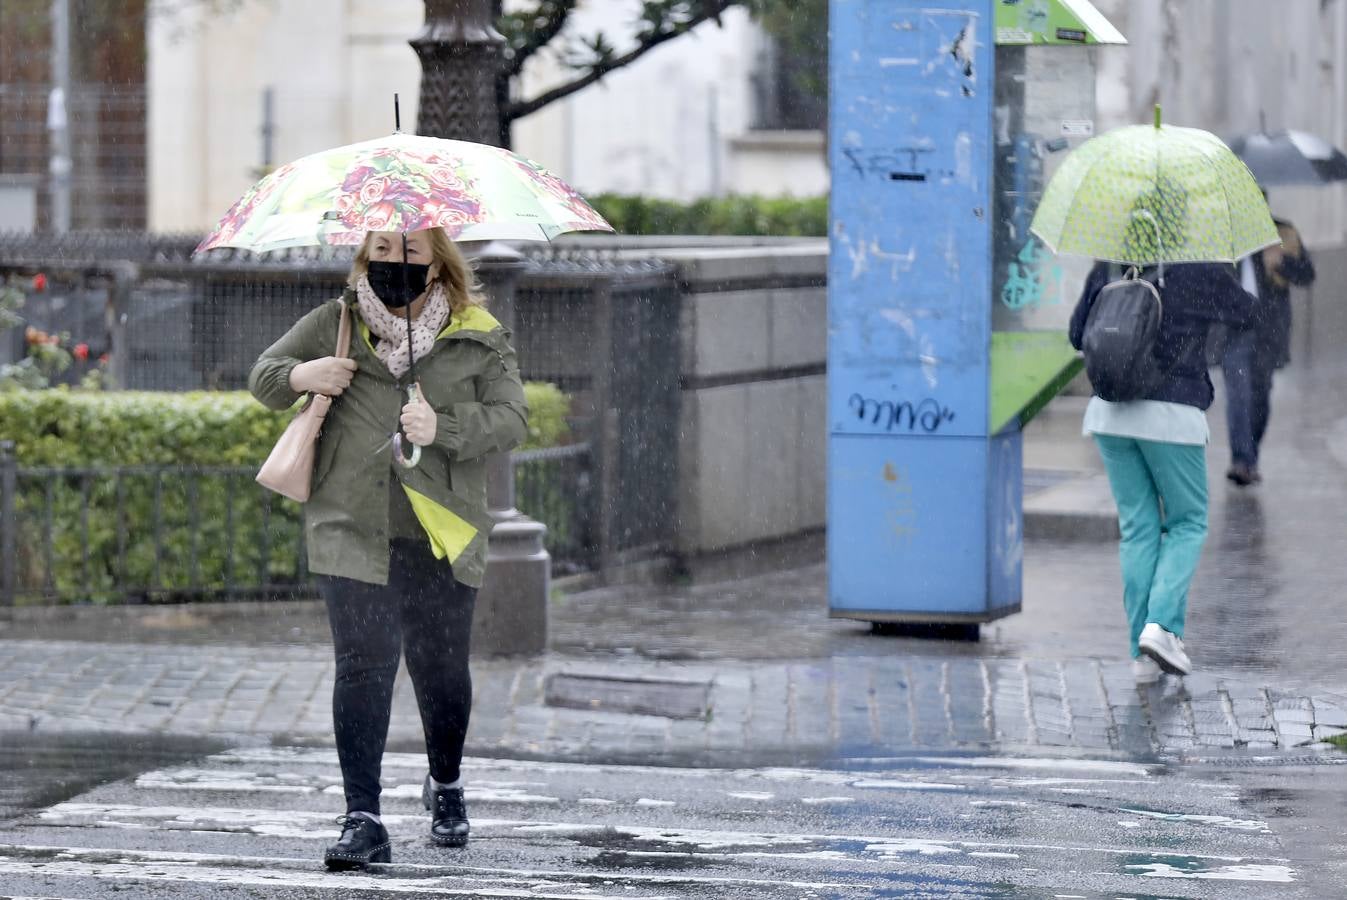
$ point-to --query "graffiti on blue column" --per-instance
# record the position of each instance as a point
(1029, 282)
(926, 415)
(905, 163)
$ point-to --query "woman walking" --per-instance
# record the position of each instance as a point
(1154, 450)
(400, 552)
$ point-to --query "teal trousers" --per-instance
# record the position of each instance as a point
(1161, 492)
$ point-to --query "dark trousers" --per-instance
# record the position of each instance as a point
(1248, 389)
(423, 611)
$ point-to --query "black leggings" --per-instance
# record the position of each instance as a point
(424, 610)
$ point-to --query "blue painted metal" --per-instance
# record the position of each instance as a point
(911, 250)
(924, 505)
(902, 540)
(1005, 522)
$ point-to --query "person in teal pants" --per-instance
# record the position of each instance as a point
(1160, 488)
(1154, 450)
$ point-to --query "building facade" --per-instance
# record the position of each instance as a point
(677, 123)
(167, 132)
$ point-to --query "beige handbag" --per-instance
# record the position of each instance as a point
(289, 467)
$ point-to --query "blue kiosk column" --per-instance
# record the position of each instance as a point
(924, 505)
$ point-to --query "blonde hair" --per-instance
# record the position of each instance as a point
(460, 283)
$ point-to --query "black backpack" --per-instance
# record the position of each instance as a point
(1120, 336)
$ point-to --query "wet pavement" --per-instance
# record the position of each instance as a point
(1266, 604)
(253, 821)
(743, 676)
(709, 712)
(38, 769)
(779, 678)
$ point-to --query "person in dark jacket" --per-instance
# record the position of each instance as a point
(1154, 450)
(1253, 355)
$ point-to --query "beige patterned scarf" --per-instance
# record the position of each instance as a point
(391, 327)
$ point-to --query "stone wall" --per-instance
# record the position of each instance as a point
(753, 437)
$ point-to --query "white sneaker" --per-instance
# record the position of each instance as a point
(1166, 649)
(1145, 670)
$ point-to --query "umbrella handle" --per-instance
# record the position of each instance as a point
(399, 440)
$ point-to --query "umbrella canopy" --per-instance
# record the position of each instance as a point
(1290, 157)
(403, 183)
(1154, 194)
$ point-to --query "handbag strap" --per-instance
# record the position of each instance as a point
(344, 332)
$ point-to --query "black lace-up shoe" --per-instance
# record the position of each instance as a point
(363, 841)
(448, 815)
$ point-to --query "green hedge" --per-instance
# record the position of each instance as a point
(217, 529)
(548, 411)
(217, 428)
(735, 215)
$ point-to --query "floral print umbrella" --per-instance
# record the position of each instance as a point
(403, 183)
(1146, 195)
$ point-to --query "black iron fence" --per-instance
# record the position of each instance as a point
(555, 486)
(608, 335)
(144, 534)
(128, 534)
(602, 327)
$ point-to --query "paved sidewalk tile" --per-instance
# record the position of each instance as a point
(858, 707)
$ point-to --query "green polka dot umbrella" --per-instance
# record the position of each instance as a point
(1150, 194)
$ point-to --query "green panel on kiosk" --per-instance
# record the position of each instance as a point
(1067, 22)
(1028, 368)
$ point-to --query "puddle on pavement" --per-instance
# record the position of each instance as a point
(698, 847)
(1252, 826)
(671, 850)
(1188, 868)
(41, 855)
(1276, 802)
(898, 884)
(619, 860)
(38, 770)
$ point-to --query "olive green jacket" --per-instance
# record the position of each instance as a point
(471, 379)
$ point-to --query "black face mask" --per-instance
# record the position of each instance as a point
(385, 278)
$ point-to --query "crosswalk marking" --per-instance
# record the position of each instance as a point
(450, 886)
(197, 779)
(1100, 770)
(153, 857)
(288, 823)
(568, 830)
(479, 770)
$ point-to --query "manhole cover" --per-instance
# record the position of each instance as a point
(643, 696)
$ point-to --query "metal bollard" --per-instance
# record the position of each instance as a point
(9, 471)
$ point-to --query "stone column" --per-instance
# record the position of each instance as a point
(461, 53)
(511, 612)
